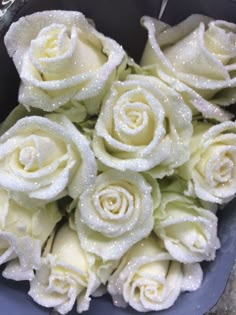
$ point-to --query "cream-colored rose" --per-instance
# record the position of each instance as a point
(45, 159)
(67, 274)
(143, 126)
(198, 51)
(61, 57)
(114, 214)
(23, 232)
(148, 279)
(189, 232)
(211, 169)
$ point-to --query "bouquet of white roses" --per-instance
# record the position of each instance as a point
(111, 172)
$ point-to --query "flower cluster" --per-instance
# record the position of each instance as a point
(110, 171)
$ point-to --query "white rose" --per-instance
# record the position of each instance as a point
(189, 232)
(211, 169)
(143, 126)
(67, 274)
(114, 214)
(198, 51)
(45, 158)
(23, 232)
(59, 57)
(148, 279)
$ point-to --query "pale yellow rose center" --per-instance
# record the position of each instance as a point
(37, 152)
(62, 281)
(58, 53)
(60, 273)
(50, 47)
(149, 282)
(221, 42)
(223, 171)
(28, 158)
(115, 201)
(134, 122)
(217, 165)
(148, 289)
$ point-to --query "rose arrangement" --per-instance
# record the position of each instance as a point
(110, 170)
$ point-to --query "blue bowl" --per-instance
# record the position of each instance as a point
(108, 15)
